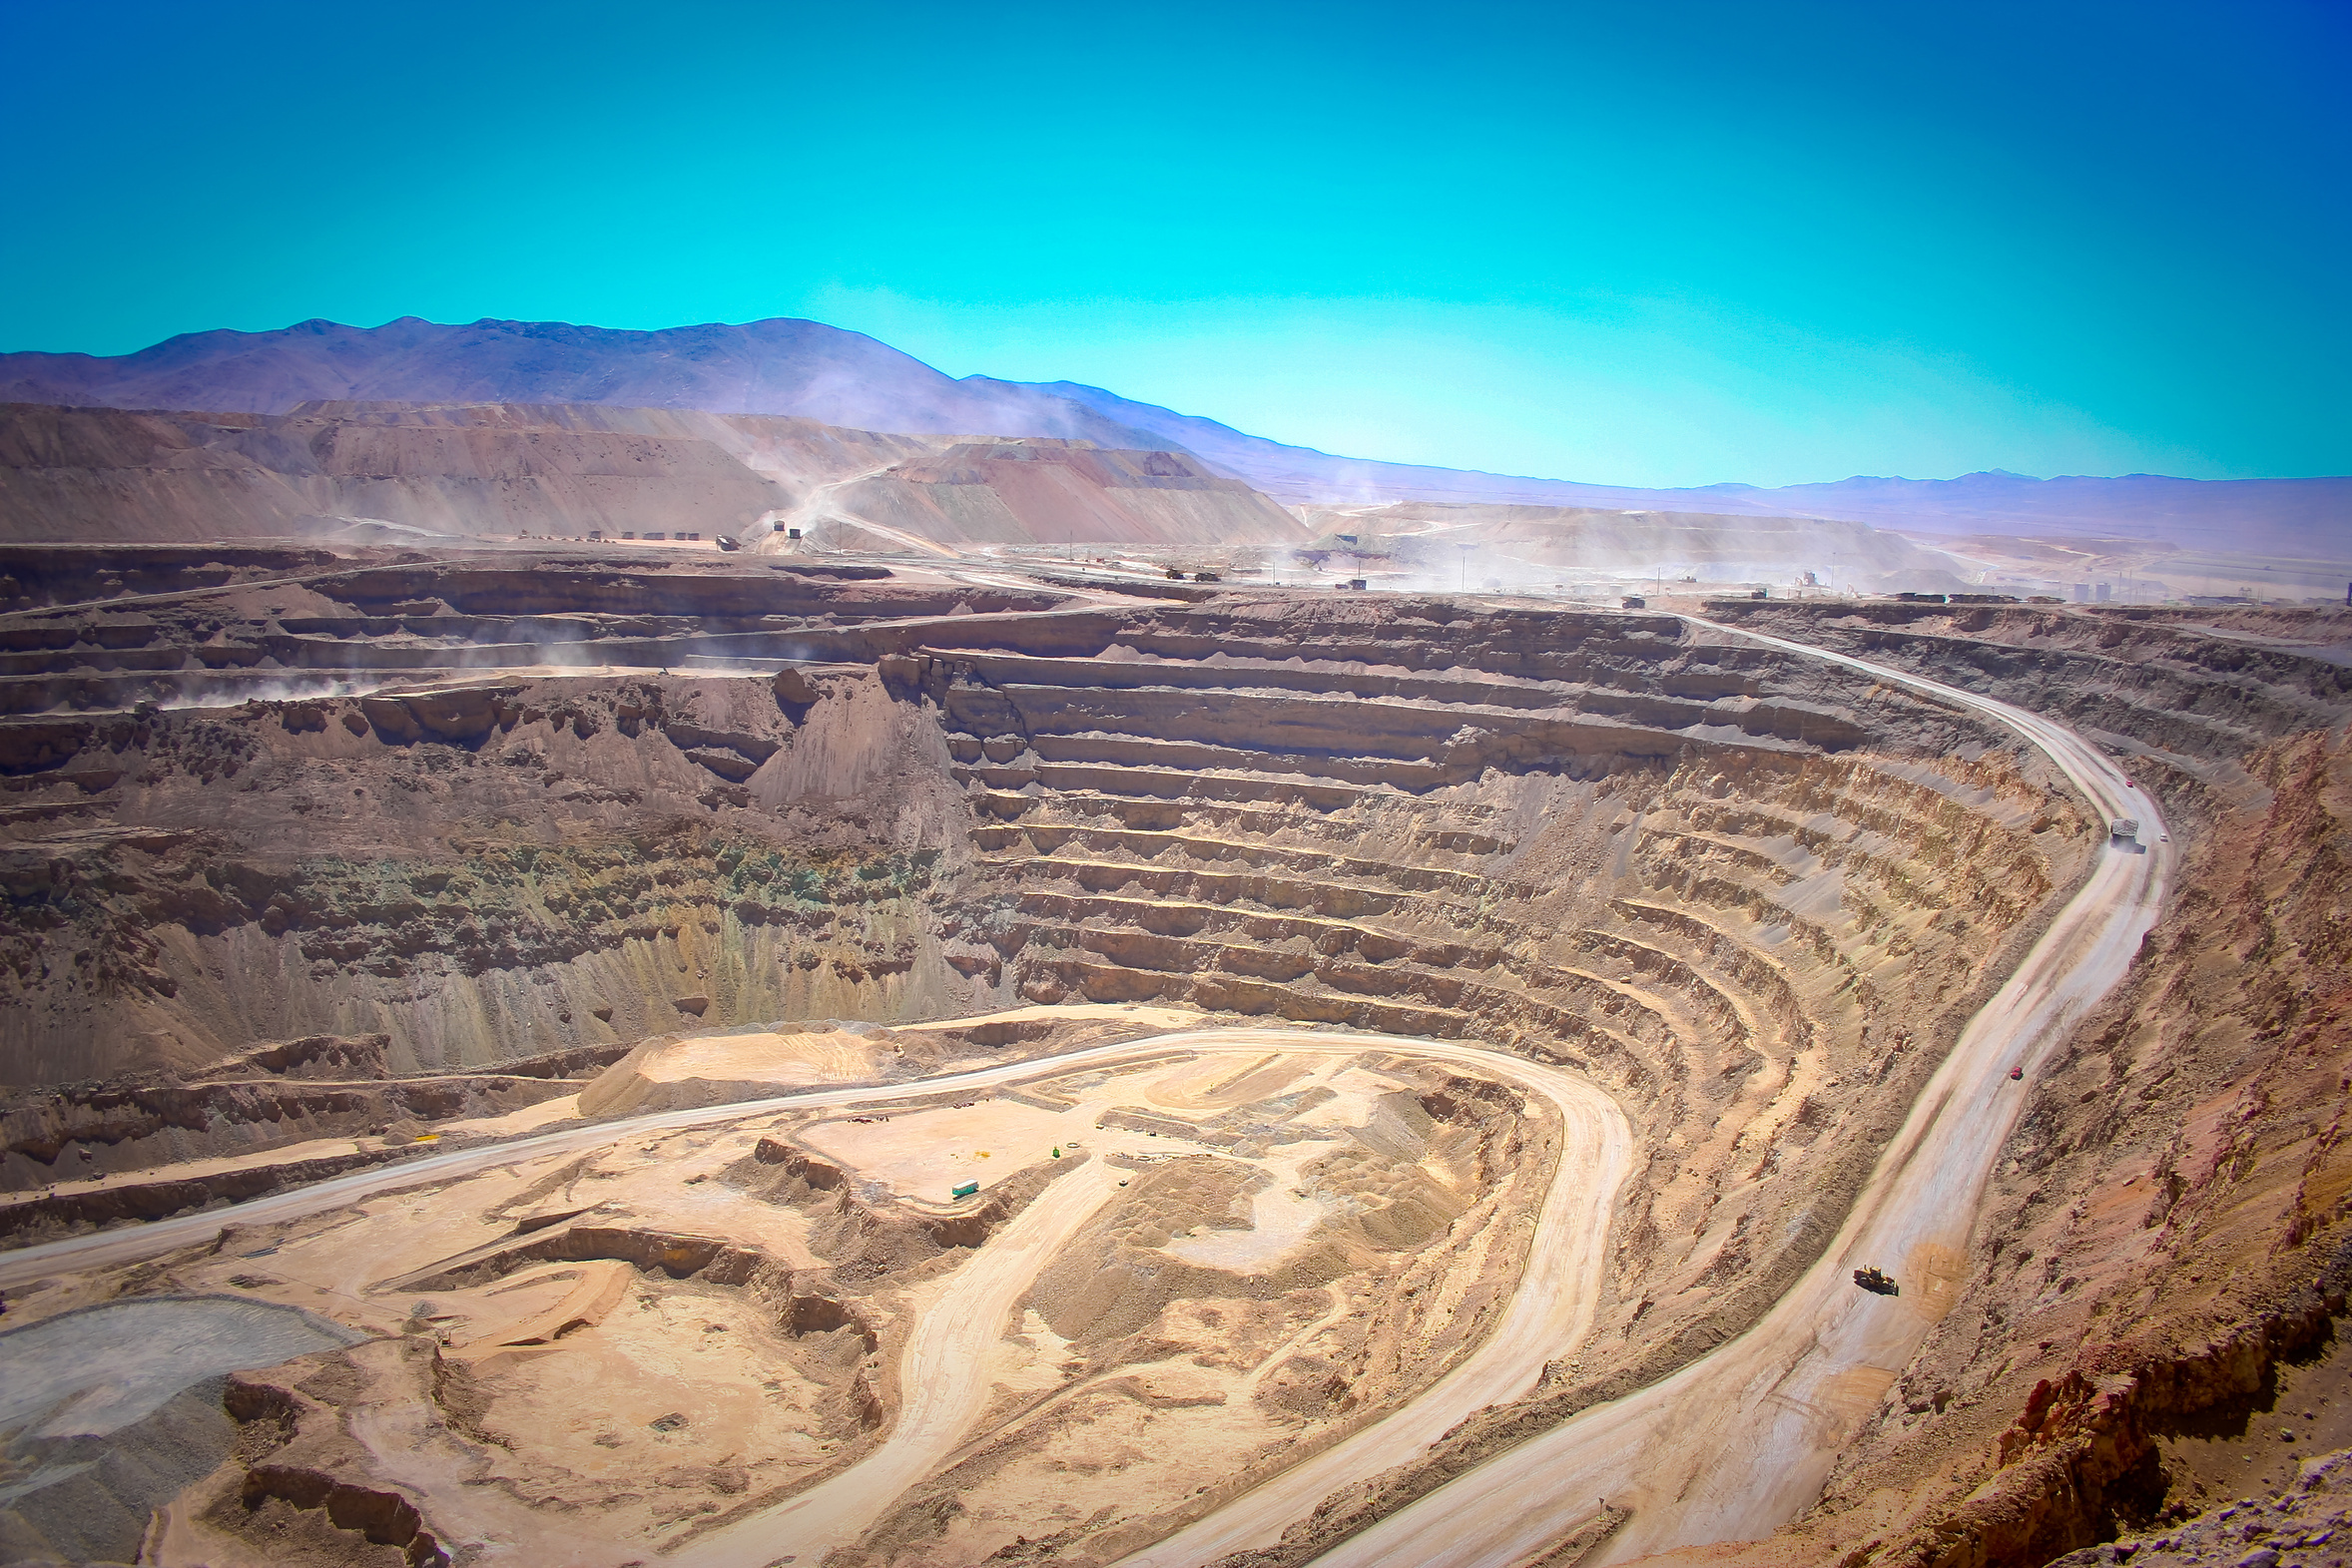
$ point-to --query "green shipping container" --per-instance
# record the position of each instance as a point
(966, 1190)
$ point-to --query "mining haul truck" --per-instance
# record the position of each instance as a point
(1877, 1284)
(2124, 829)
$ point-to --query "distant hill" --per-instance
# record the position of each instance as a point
(805, 369)
(491, 470)
(2295, 517)
(1303, 475)
(809, 370)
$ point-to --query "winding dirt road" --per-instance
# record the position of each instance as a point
(1727, 1450)
(1738, 1444)
(944, 1386)
(942, 1373)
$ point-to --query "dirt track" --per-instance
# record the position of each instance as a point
(943, 1368)
(1733, 1445)
(1738, 1444)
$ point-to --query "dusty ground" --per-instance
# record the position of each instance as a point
(717, 832)
(2164, 1249)
(587, 1359)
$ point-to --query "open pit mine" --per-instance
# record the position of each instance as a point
(562, 1054)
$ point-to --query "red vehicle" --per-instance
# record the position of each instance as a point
(2017, 1072)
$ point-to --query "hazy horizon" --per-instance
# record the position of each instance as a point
(1658, 250)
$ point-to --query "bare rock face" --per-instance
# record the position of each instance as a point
(1716, 879)
(494, 862)
(2164, 1241)
(396, 845)
(2311, 1524)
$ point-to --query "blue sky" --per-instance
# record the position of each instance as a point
(1647, 245)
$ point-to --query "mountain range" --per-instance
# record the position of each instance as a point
(788, 367)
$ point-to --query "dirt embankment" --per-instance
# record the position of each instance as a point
(1192, 1352)
(1754, 895)
(384, 616)
(2173, 1220)
(596, 1370)
(139, 1120)
(497, 870)
(148, 1145)
(2192, 691)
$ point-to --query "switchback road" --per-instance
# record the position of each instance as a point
(1738, 1444)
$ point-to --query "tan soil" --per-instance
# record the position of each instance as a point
(1752, 896)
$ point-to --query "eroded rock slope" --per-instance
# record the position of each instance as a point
(2167, 1237)
(523, 810)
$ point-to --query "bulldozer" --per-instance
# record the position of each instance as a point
(1877, 1283)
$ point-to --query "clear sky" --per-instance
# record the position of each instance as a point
(1667, 243)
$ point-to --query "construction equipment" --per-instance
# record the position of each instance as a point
(1876, 1283)
(2124, 828)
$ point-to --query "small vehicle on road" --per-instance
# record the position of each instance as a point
(2016, 1073)
(1876, 1283)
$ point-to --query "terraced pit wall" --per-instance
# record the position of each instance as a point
(1752, 895)
(2166, 1252)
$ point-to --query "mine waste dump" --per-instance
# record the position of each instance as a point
(755, 1060)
